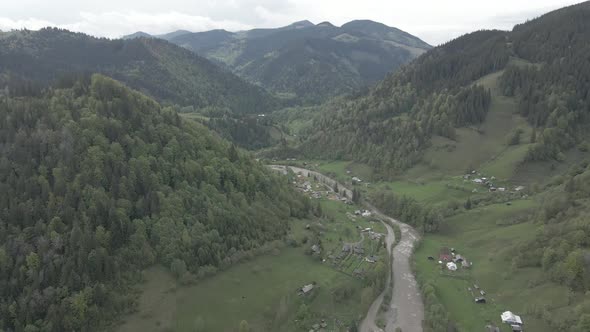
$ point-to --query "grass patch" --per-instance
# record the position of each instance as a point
(258, 289)
(486, 237)
(250, 291)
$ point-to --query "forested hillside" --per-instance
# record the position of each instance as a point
(307, 62)
(98, 182)
(158, 68)
(555, 94)
(390, 126)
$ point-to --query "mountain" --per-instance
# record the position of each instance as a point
(99, 182)
(154, 66)
(173, 34)
(478, 87)
(306, 61)
(138, 34)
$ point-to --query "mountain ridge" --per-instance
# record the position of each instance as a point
(154, 66)
(335, 60)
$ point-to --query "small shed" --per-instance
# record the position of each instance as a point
(306, 289)
(452, 266)
(510, 318)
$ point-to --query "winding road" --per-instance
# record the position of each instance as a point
(406, 310)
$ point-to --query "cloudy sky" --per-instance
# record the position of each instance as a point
(435, 21)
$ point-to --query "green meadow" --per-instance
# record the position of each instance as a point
(264, 290)
(487, 238)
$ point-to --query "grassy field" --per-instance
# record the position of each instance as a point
(251, 291)
(477, 147)
(486, 237)
(263, 291)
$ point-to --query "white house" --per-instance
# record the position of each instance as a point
(452, 266)
(509, 318)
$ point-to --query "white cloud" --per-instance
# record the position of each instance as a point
(30, 23)
(434, 21)
(117, 24)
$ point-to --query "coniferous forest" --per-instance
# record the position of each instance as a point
(97, 182)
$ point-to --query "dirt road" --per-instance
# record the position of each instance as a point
(406, 310)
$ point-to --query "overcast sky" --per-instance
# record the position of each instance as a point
(435, 21)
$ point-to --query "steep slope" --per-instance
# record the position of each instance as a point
(541, 69)
(153, 66)
(98, 182)
(306, 61)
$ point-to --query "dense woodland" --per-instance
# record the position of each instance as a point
(389, 126)
(156, 67)
(98, 182)
(389, 132)
(554, 93)
(308, 63)
(249, 132)
(423, 218)
(560, 246)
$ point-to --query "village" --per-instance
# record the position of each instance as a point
(357, 259)
(489, 183)
(352, 243)
(353, 258)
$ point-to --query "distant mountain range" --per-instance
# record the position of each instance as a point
(310, 62)
(156, 67)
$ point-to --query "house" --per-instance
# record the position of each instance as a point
(346, 248)
(478, 181)
(452, 266)
(481, 300)
(444, 255)
(502, 189)
(368, 229)
(306, 289)
(358, 212)
(510, 318)
(371, 259)
(465, 264)
(519, 188)
(355, 179)
(458, 259)
(366, 213)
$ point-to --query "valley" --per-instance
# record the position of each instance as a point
(295, 177)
